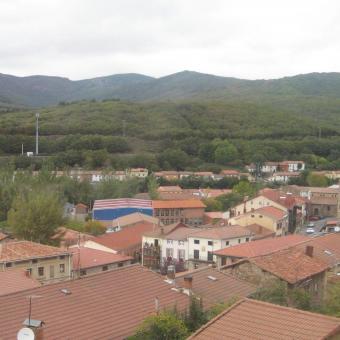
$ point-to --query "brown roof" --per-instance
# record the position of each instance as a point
(222, 233)
(272, 212)
(291, 265)
(125, 238)
(87, 258)
(191, 203)
(108, 305)
(257, 320)
(15, 280)
(133, 219)
(214, 214)
(260, 232)
(230, 172)
(214, 287)
(262, 247)
(180, 233)
(71, 236)
(169, 188)
(24, 250)
(3, 236)
(165, 230)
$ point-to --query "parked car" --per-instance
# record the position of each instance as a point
(315, 218)
(310, 230)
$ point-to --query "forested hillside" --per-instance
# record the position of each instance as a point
(187, 135)
(37, 91)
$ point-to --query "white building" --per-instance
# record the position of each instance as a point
(283, 177)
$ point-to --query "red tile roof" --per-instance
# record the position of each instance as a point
(257, 320)
(230, 172)
(262, 247)
(214, 287)
(125, 238)
(109, 305)
(222, 233)
(286, 200)
(272, 212)
(15, 280)
(134, 218)
(173, 204)
(93, 258)
(260, 232)
(291, 265)
(23, 250)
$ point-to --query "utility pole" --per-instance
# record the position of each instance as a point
(22, 149)
(124, 128)
(37, 134)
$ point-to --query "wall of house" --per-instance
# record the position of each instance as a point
(189, 216)
(326, 210)
(175, 245)
(255, 203)
(52, 268)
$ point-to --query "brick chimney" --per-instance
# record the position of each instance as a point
(188, 282)
(309, 251)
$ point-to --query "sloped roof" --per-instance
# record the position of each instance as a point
(173, 204)
(23, 250)
(222, 233)
(108, 305)
(180, 233)
(262, 247)
(214, 287)
(272, 212)
(291, 265)
(87, 258)
(257, 320)
(134, 218)
(125, 238)
(169, 188)
(260, 231)
(15, 280)
(165, 230)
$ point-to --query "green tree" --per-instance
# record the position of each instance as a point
(213, 204)
(152, 185)
(244, 188)
(35, 215)
(225, 153)
(315, 180)
(94, 228)
(165, 326)
(196, 316)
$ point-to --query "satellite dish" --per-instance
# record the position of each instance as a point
(25, 334)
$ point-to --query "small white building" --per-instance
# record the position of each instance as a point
(283, 177)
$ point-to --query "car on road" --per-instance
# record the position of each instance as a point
(310, 230)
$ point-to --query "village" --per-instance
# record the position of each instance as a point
(266, 265)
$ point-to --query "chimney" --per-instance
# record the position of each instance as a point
(188, 282)
(309, 251)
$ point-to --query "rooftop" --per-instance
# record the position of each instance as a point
(24, 250)
(222, 233)
(125, 238)
(161, 232)
(291, 265)
(108, 305)
(272, 212)
(133, 219)
(87, 257)
(169, 188)
(180, 233)
(257, 320)
(262, 247)
(15, 280)
(215, 287)
(260, 232)
(173, 204)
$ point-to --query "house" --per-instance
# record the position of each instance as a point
(203, 174)
(130, 220)
(260, 232)
(45, 263)
(108, 305)
(257, 320)
(15, 280)
(70, 237)
(214, 217)
(255, 203)
(87, 261)
(213, 286)
(110, 209)
(228, 255)
(270, 167)
(296, 268)
(283, 176)
(331, 226)
(127, 241)
(269, 217)
(80, 212)
(138, 172)
(230, 173)
(168, 175)
(292, 166)
(203, 243)
(186, 211)
(174, 189)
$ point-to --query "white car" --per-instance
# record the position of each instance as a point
(310, 231)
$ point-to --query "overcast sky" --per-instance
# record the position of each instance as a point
(239, 38)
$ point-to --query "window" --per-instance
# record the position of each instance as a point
(210, 256)
(120, 264)
(62, 268)
(156, 242)
(82, 272)
(169, 252)
(181, 243)
(105, 268)
(239, 240)
(41, 271)
(169, 241)
(61, 257)
(227, 243)
(181, 254)
(35, 261)
(196, 254)
(196, 241)
(328, 207)
(51, 272)
(247, 239)
(8, 264)
(210, 243)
